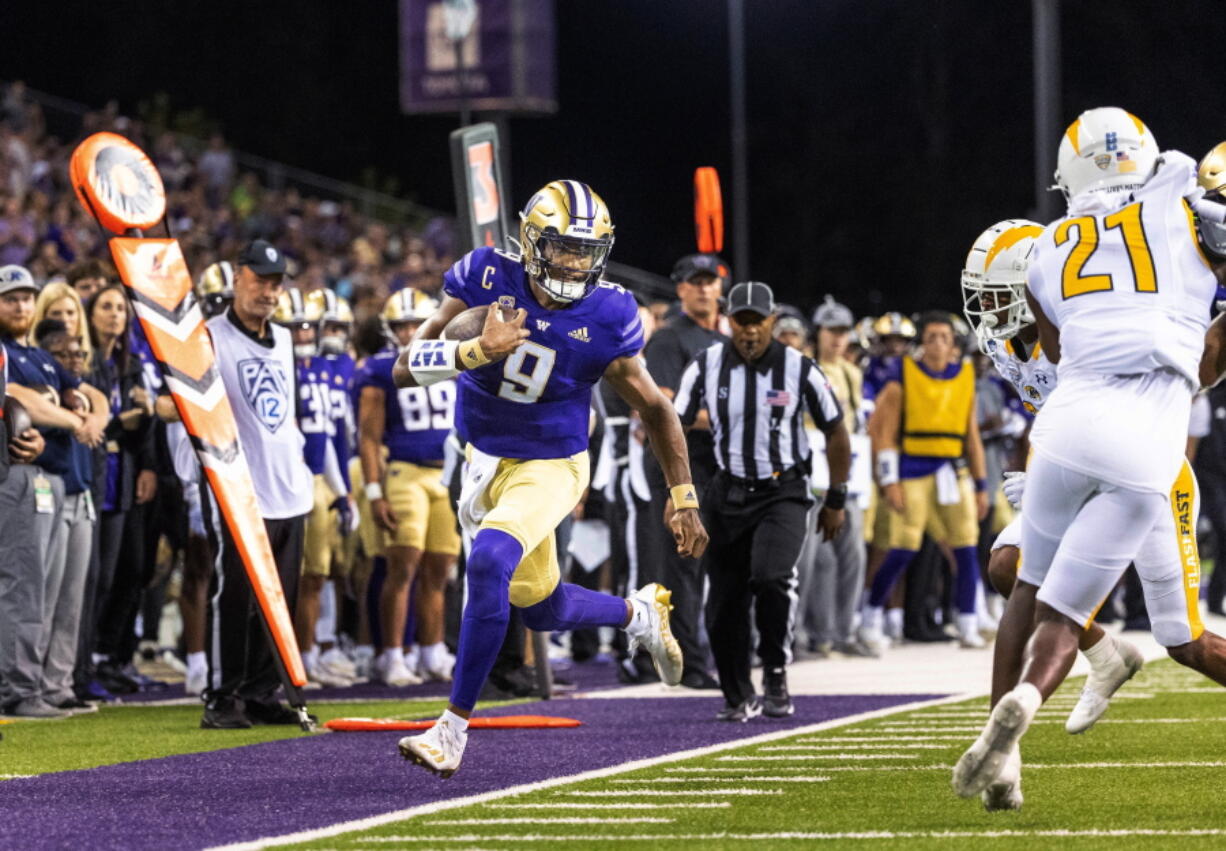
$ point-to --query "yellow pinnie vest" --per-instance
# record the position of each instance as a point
(935, 411)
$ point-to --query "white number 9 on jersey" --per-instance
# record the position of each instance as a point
(527, 372)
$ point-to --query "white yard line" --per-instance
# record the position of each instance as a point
(840, 746)
(630, 793)
(623, 805)
(852, 757)
(884, 738)
(554, 820)
(796, 778)
(796, 836)
(635, 765)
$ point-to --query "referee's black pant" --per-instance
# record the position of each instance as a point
(756, 538)
(240, 652)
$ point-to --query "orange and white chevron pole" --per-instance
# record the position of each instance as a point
(118, 185)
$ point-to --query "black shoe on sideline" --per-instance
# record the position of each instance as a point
(115, 680)
(699, 680)
(224, 713)
(742, 712)
(271, 712)
(776, 702)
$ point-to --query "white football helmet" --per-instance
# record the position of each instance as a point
(1105, 148)
(994, 280)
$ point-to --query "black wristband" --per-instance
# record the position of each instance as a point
(836, 497)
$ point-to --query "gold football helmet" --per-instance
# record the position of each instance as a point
(409, 305)
(215, 288)
(335, 320)
(1211, 174)
(566, 233)
(893, 324)
(296, 312)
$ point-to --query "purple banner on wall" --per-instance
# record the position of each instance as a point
(505, 63)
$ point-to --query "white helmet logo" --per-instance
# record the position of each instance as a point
(271, 254)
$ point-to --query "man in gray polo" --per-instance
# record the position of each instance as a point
(30, 499)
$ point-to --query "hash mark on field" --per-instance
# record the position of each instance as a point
(586, 805)
(629, 793)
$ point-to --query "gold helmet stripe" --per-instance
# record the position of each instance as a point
(1008, 239)
(1072, 132)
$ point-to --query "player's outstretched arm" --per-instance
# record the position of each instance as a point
(633, 383)
(429, 359)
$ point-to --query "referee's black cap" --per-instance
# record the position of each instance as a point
(262, 258)
(753, 296)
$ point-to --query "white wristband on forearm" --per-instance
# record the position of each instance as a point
(432, 361)
(373, 491)
(887, 467)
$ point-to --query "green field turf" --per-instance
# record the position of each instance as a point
(126, 733)
(1165, 715)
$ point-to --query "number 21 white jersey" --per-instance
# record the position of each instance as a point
(1130, 291)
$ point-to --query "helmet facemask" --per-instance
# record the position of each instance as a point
(995, 306)
(565, 267)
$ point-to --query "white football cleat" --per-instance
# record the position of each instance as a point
(651, 632)
(337, 663)
(437, 750)
(873, 640)
(1101, 684)
(984, 761)
(321, 674)
(1005, 792)
(393, 671)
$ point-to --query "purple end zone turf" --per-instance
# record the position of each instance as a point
(270, 789)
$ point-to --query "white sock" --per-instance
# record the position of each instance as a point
(1029, 697)
(454, 720)
(432, 654)
(1101, 653)
(391, 653)
(968, 624)
(364, 651)
(197, 661)
(640, 621)
(311, 658)
(893, 621)
(874, 616)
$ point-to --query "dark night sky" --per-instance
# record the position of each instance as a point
(884, 134)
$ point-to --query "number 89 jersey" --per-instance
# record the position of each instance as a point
(416, 420)
(1126, 282)
(535, 403)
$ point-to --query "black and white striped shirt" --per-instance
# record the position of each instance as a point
(757, 413)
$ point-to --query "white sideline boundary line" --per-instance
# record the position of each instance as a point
(595, 774)
(749, 837)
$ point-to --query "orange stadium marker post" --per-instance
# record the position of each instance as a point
(708, 210)
(118, 185)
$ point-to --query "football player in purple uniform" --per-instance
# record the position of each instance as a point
(525, 389)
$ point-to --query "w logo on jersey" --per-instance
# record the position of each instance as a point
(264, 387)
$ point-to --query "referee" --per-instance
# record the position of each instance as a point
(757, 391)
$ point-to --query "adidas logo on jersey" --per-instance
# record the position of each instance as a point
(580, 334)
(542, 325)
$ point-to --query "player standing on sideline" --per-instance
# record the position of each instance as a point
(335, 326)
(1120, 290)
(314, 406)
(408, 500)
(525, 388)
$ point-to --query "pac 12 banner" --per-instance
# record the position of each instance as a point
(505, 62)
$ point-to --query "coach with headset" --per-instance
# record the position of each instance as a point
(756, 392)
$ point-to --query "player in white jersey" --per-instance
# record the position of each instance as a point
(1120, 291)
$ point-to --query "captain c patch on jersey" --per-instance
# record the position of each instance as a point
(264, 387)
